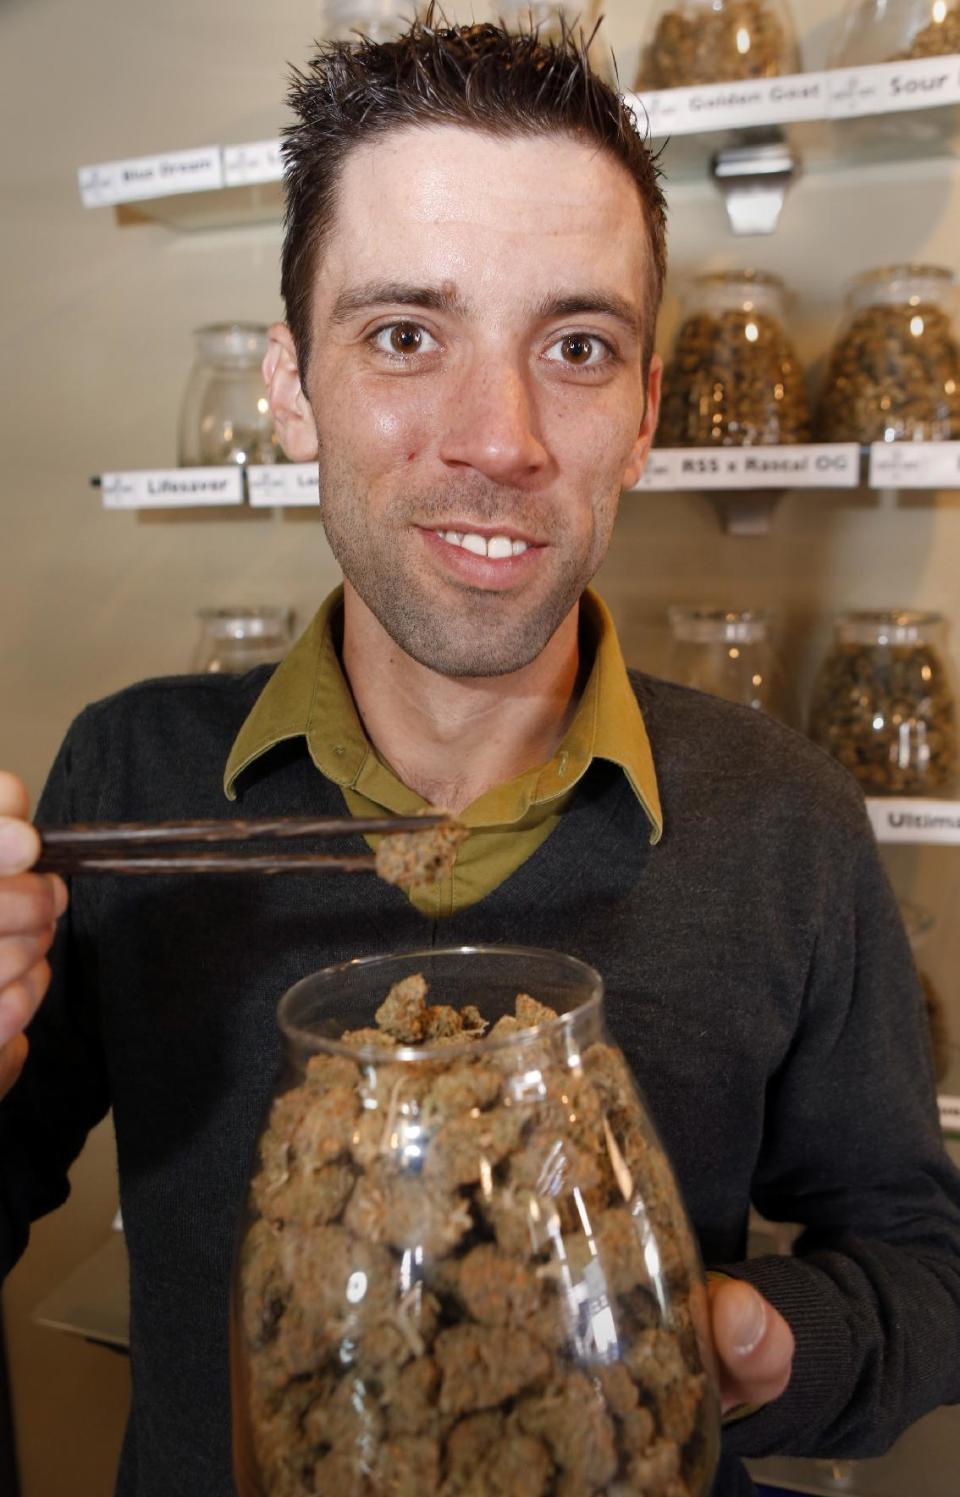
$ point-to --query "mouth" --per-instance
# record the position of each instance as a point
(494, 542)
(493, 558)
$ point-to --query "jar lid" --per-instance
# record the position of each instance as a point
(245, 623)
(883, 626)
(699, 625)
(902, 285)
(738, 290)
(235, 343)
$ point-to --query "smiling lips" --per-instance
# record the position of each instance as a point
(494, 547)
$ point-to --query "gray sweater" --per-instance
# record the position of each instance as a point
(758, 980)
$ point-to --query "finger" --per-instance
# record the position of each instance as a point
(19, 845)
(19, 954)
(754, 1345)
(20, 1001)
(14, 800)
(30, 902)
(12, 1058)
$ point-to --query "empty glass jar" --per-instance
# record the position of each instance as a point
(734, 378)
(225, 417)
(717, 41)
(894, 374)
(883, 703)
(233, 640)
(726, 652)
(465, 1265)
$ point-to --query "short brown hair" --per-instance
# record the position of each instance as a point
(481, 77)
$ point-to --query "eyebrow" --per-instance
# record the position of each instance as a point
(438, 299)
(397, 293)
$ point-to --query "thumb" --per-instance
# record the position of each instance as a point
(753, 1342)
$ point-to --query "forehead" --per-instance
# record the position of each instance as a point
(501, 215)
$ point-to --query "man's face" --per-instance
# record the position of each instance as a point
(476, 384)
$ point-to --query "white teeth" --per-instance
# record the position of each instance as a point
(497, 548)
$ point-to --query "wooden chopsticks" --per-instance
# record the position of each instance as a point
(171, 846)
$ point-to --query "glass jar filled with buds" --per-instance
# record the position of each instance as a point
(891, 31)
(465, 1266)
(734, 378)
(225, 417)
(894, 374)
(883, 702)
(694, 42)
(727, 652)
(896, 31)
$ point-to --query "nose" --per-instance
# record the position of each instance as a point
(493, 425)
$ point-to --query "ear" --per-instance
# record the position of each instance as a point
(292, 416)
(637, 460)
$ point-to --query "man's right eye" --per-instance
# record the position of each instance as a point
(401, 339)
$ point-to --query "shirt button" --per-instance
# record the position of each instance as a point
(339, 749)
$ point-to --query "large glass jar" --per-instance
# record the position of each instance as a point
(875, 31)
(883, 704)
(380, 20)
(233, 640)
(726, 652)
(225, 417)
(717, 41)
(734, 378)
(465, 1265)
(919, 923)
(894, 374)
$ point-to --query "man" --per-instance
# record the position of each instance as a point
(473, 261)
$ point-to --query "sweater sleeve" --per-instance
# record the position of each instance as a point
(62, 1091)
(853, 1151)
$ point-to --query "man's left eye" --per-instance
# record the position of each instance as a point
(579, 351)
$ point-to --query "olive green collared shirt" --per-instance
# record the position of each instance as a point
(308, 696)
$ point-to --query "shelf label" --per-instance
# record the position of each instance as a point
(915, 465)
(151, 177)
(728, 106)
(258, 161)
(819, 465)
(172, 488)
(283, 483)
(950, 1115)
(889, 87)
(915, 819)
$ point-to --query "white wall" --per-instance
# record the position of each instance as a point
(95, 339)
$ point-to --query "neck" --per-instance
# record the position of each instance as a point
(451, 739)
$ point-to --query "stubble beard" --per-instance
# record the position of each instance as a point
(461, 633)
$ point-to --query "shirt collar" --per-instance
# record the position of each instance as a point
(308, 696)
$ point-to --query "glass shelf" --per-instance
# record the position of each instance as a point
(828, 120)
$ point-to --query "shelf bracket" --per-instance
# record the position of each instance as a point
(754, 179)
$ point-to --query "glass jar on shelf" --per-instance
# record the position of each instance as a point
(694, 42)
(883, 703)
(225, 417)
(920, 923)
(894, 373)
(875, 31)
(379, 20)
(464, 1258)
(233, 640)
(726, 652)
(734, 378)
